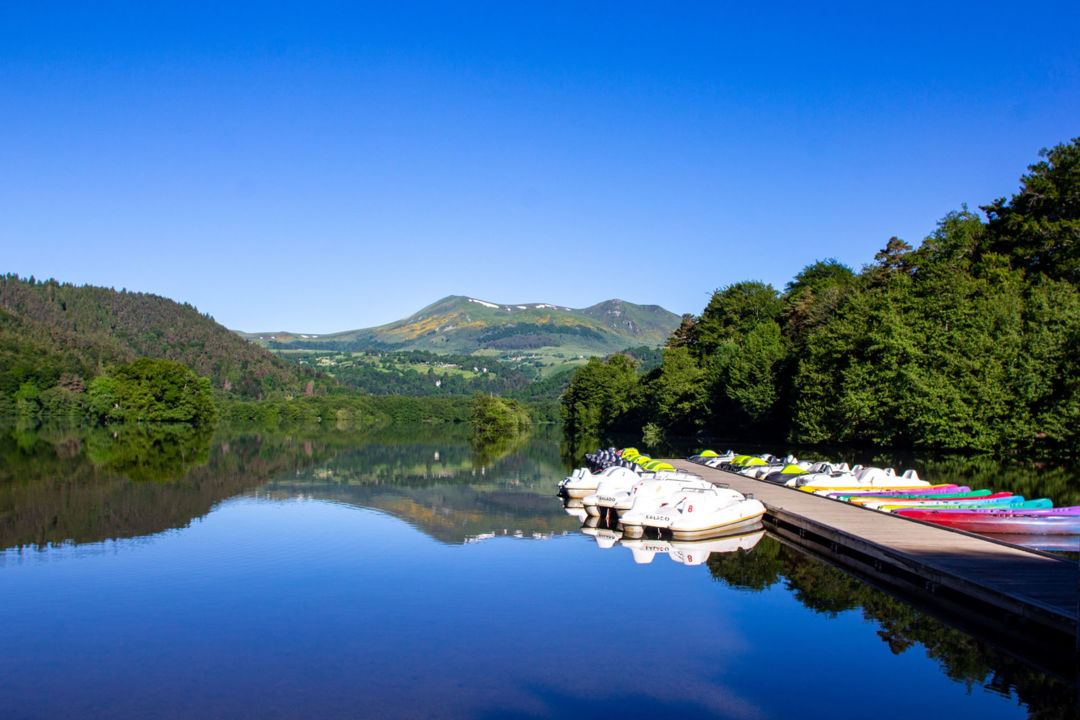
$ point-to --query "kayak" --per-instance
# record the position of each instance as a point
(924, 497)
(1071, 510)
(985, 496)
(1020, 522)
(932, 491)
(827, 489)
(1017, 504)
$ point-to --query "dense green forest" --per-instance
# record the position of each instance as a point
(971, 340)
(61, 336)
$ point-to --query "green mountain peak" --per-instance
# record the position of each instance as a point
(465, 324)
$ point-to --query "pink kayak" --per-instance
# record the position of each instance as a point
(1021, 522)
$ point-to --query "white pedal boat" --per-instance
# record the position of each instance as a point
(647, 490)
(582, 482)
(712, 459)
(612, 489)
(759, 472)
(863, 477)
(693, 513)
(608, 488)
(715, 462)
(823, 473)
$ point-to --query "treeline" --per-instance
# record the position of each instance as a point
(59, 335)
(395, 373)
(343, 410)
(970, 341)
(145, 390)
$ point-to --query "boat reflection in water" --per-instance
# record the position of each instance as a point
(693, 552)
(575, 508)
(644, 549)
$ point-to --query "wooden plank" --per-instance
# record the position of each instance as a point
(1035, 585)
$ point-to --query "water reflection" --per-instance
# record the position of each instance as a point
(755, 562)
(452, 490)
(202, 594)
(64, 484)
(962, 657)
(645, 549)
(79, 485)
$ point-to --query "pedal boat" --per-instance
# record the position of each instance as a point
(584, 482)
(647, 492)
(694, 513)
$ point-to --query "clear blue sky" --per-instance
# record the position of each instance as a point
(319, 167)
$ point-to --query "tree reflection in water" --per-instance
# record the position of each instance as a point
(65, 484)
(963, 658)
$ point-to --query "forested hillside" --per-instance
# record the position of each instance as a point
(971, 341)
(55, 335)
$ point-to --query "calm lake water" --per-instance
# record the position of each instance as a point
(401, 573)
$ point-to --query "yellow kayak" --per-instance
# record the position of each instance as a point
(825, 490)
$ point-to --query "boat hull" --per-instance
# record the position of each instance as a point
(700, 533)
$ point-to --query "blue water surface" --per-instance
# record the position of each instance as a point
(287, 601)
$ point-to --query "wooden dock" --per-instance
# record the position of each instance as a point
(1027, 591)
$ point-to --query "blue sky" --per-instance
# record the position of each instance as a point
(282, 166)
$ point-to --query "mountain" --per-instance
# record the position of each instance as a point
(59, 334)
(459, 324)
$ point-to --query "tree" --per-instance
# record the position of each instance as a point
(149, 390)
(731, 313)
(682, 335)
(493, 418)
(1040, 225)
(600, 395)
(677, 391)
(814, 295)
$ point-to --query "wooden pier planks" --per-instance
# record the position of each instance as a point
(1030, 584)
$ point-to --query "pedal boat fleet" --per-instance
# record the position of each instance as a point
(980, 511)
(640, 496)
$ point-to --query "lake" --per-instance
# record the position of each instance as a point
(403, 573)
